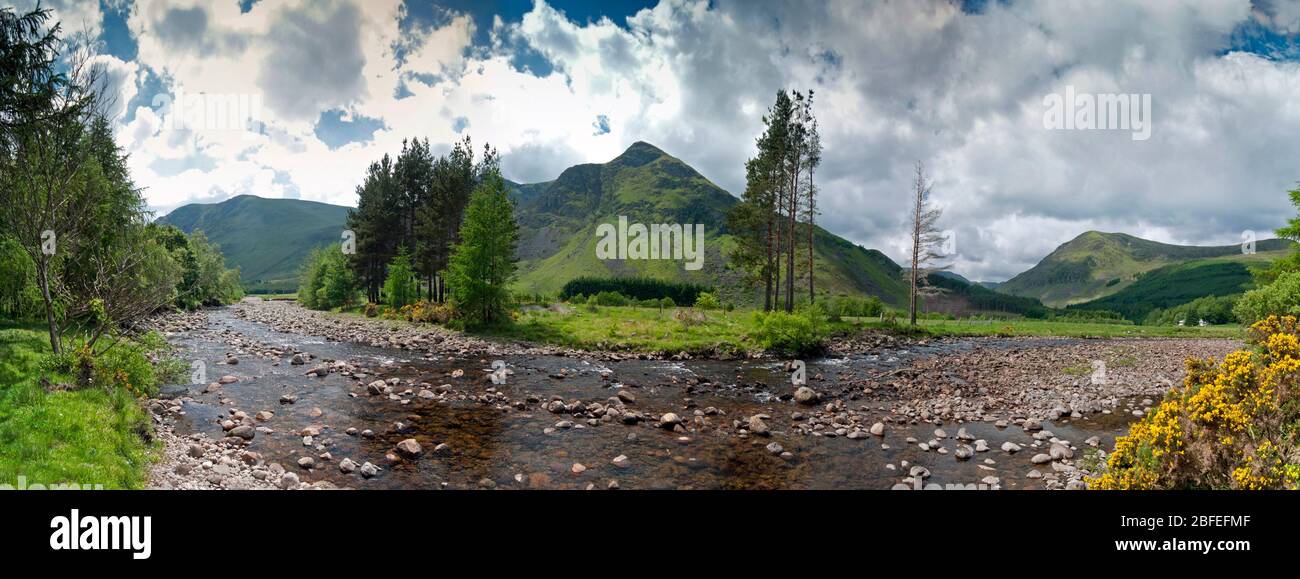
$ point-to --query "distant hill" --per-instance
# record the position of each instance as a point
(267, 239)
(1095, 265)
(558, 221)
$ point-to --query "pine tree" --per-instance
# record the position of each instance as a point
(482, 264)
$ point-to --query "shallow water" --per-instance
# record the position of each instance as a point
(498, 442)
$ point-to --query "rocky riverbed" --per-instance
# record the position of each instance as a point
(300, 399)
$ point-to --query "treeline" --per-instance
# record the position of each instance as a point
(638, 288)
(984, 299)
(1212, 309)
(1171, 286)
(76, 241)
(415, 203)
(777, 213)
(437, 227)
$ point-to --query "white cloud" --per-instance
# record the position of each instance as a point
(895, 82)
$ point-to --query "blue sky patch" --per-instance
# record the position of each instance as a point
(335, 132)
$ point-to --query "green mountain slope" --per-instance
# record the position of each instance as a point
(558, 223)
(1095, 265)
(267, 239)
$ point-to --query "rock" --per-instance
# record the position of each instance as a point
(878, 429)
(245, 432)
(346, 466)
(806, 395)
(1041, 458)
(409, 448)
(577, 468)
(297, 360)
(626, 396)
(919, 472)
(622, 461)
(288, 399)
(289, 480)
(940, 433)
(1061, 452)
(1010, 447)
(981, 445)
(264, 415)
(962, 434)
(195, 451)
(963, 452)
(1093, 441)
(376, 388)
(1031, 425)
(306, 462)
(757, 426)
(320, 371)
(369, 470)
(669, 420)
(775, 448)
(227, 380)
(1034, 474)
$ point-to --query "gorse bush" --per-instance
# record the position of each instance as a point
(1231, 425)
(803, 331)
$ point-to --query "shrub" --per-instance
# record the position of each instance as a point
(707, 301)
(689, 317)
(1231, 425)
(428, 312)
(372, 310)
(610, 299)
(800, 332)
(1282, 297)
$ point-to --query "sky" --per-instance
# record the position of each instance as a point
(324, 87)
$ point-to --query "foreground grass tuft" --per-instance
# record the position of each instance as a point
(91, 436)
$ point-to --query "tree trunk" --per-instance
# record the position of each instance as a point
(43, 280)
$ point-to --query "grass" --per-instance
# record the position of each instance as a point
(89, 436)
(638, 329)
(633, 329)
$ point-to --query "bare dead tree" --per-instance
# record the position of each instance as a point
(927, 241)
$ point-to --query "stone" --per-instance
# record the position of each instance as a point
(757, 426)
(195, 451)
(1093, 441)
(289, 480)
(626, 396)
(1034, 474)
(775, 448)
(369, 470)
(376, 388)
(346, 466)
(669, 420)
(245, 432)
(297, 360)
(288, 399)
(409, 448)
(577, 468)
(963, 452)
(264, 415)
(622, 461)
(1060, 452)
(806, 395)
(1041, 458)
(878, 429)
(1010, 447)
(227, 380)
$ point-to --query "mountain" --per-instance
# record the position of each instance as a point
(559, 220)
(267, 239)
(1095, 265)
